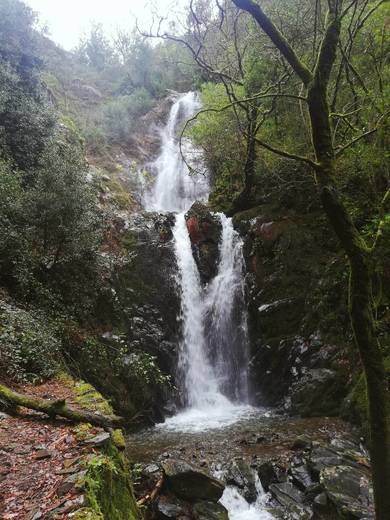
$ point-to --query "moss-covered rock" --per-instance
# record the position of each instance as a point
(210, 511)
(108, 489)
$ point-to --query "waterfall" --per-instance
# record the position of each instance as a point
(213, 361)
(175, 189)
(213, 351)
(227, 333)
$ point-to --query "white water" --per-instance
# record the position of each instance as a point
(213, 353)
(175, 189)
(239, 509)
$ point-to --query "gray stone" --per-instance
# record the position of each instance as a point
(241, 475)
(189, 483)
(290, 498)
(98, 440)
(301, 476)
(169, 508)
(209, 511)
(348, 488)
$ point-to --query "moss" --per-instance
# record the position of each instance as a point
(89, 398)
(108, 488)
(82, 431)
(88, 514)
(86, 395)
(356, 404)
(118, 439)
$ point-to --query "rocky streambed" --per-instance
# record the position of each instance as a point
(261, 467)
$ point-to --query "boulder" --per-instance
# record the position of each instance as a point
(348, 488)
(169, 507)
(323, 457)
(241, 475)
(204, 230)
(209, 511)
(292, 499)
(270, 474)
(189, 483)
(301, 477)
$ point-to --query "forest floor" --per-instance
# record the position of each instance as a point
(40, 457)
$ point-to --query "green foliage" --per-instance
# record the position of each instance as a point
(26, 121)
(120, 114)
(29, 348)
(95, 49)
(217, 133)
(143, 367)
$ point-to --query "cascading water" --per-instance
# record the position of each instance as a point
(175, 189)
(213, 354)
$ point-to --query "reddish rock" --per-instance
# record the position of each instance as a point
(193, 230)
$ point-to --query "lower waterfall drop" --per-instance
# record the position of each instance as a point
(213, 351)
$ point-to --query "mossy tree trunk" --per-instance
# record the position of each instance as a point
(57, 407)
(245, 199)
(361, 258)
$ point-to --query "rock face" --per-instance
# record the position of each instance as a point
(324, 481)
(349, 490)
(188, 483)
(241, 475)
(204, 230)
(295, 296)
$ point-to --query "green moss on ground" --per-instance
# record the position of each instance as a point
(107, 485)
(87, 396)
(108, 488)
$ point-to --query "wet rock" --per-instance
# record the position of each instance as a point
(189, 483)
(170, 508)
(322, 457)
(209, 511)
(319, 391)
(269, 474)
(348, 488)
(241, 475)
(204, 230)
(151, 468)
(98, 440)
(301, 476)
(320, 503)
(292, 499)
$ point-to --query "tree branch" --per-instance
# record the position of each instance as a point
(277, 38)
(287, 155)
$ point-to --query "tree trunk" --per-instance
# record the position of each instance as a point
(245, 199)
(57, 407)
(360, 305)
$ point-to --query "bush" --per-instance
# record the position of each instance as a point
(29, 349)
(120, 113)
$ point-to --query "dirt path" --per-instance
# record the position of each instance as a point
(38, 457)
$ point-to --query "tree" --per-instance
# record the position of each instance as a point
(95, 49)
(26, 120)
(361, 256)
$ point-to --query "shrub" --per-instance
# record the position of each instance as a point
(29, 349)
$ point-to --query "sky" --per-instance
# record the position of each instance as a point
(67, 20)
